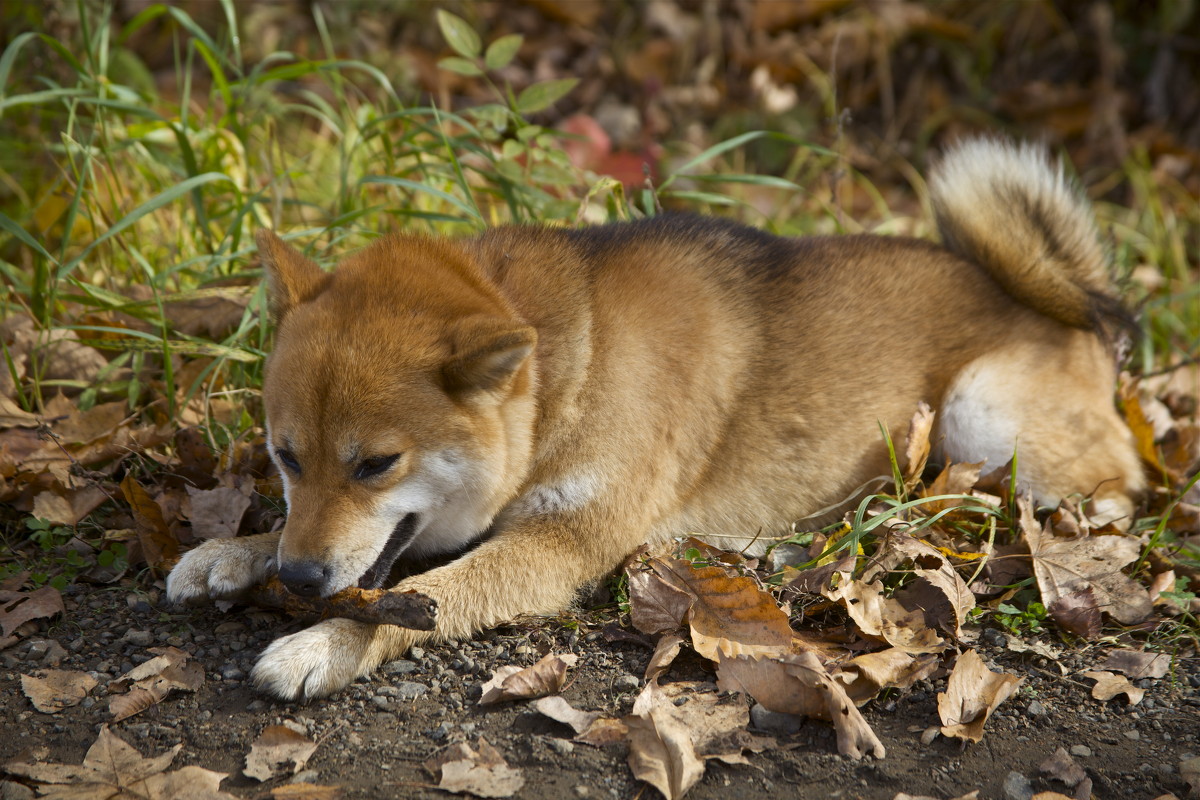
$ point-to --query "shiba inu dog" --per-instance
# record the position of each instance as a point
(544, 400)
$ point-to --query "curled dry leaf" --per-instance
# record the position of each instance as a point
(972, 693)
(545, 677)
(1109, 685)
(56, 689)
(882, 617)
(1064, 566)
(112, 768)
(1078, 613)
(159, 546)
(664, 654)
(673, 731)
(278, 750)
(798, 684)
(17, 608)
(1138, 663)
(655, 606)
(151, 681)
(867, 675)
(480, 771)
(559, 710)
(916, 449)
(936, 589)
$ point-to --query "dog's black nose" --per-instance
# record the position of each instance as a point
(305, 578)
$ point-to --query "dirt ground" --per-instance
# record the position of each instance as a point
(374, 737)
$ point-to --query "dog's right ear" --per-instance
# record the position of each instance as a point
(292, 279)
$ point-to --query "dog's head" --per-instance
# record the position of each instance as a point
(400, 407)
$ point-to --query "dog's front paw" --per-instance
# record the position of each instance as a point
(317, 661)
(221, 569)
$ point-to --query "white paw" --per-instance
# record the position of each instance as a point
(317, 661)
(220, 569)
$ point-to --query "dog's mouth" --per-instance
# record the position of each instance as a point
(377, 574)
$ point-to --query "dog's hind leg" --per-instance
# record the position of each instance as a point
(1049, 402)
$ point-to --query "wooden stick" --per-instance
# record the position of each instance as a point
(378, 606)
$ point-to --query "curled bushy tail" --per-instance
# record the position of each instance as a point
(1008, 208)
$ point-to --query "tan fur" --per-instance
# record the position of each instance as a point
(577, 393)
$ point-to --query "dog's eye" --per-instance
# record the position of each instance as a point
(289, 460)
(370, 467)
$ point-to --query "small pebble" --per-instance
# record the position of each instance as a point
(627, 683)
(561, 746)
(1081, 750)
(1017, 787)
(138, 638)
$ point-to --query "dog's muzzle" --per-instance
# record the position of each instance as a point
(377, 574)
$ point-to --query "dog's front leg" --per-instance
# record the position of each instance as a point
(533, 568)
(221, 569)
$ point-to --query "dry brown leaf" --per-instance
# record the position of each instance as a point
(62, 506)
(953, 479)
(112, 768)
(159, 546)
(727, 614)
(1063, 768)
(545, 677)
(306, 791)
(972, 693)
(664, 654)
(655, 606)
(798, 684)
(17, 608)
(916, 449)
(937, 589)
(1078, 613)
(882, 617)
(217, 513)
(278, 750)
(662, 754)
(559, 710)
(1064, 566)
(151, 681)
(56, 689)
(1189, 770)
(867, 675)
(480, 771)
(1138, 663)
(1109, 685)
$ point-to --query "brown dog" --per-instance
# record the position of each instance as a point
(558, 397)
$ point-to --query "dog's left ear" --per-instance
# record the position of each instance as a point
(488, 353)
(292, 279)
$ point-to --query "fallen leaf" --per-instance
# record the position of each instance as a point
(217, 513)
(559, 710)
(664, 654)
(655, 606)
(1109, 685)
(972, 693)
(885, 618)
(1061, 767)
(662, 754)
(158, 545)
(113, 769)
(151, 681)
(277, 751)
(17, 608)
(481, 771)
(726, 613)
(953, 479)
(916, 448)
(1063, 566)
(56, 689)
(1078, 613)
(1138, 664)
(1190, 772)
(867, 675)
(545, 677)
(798, 684)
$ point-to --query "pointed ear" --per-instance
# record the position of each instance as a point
(291, 278)
(488, 353)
